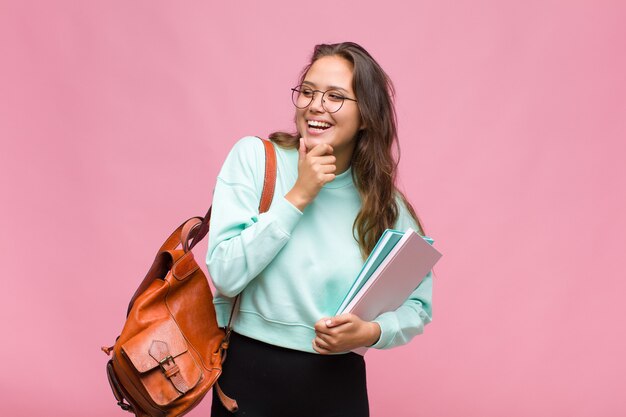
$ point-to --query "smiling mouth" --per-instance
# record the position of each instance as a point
(314, 124)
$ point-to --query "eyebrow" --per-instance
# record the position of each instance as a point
(330, 87)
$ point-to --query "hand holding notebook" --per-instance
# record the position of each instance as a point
(396, 266)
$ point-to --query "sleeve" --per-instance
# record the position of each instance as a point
(407, 321)
(243, 242)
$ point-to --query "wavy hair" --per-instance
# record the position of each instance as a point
(374, 165)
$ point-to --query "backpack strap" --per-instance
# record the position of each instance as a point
(198, 227)
(269, 184)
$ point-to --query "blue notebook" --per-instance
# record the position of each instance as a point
(385, 244)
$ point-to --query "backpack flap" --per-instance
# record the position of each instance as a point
(160, 354)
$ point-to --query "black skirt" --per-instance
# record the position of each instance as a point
(271, 381)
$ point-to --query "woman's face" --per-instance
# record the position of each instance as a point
(330, 73)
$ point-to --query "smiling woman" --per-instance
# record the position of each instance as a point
(292, 265)
(320, 121)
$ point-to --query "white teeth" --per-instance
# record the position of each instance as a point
(315, 123)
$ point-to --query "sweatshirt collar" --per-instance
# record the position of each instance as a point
(341, 180)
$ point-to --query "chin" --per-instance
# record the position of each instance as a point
(311, 141)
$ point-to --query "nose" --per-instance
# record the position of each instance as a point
(317, 105)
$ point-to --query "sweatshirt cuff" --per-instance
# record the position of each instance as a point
(285, 214)
(389, 326)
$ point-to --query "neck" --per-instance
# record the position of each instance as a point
(344, 158)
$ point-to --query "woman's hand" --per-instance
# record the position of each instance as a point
(315, 168)
(343, 333)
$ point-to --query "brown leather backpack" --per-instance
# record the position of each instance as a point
(170, 351)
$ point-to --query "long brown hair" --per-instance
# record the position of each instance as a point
(374, 165)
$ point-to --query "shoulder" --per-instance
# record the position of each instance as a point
(405, 218)
(247, 148)
(245, 160)
(400, 202)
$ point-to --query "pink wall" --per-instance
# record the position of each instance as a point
(512, 123)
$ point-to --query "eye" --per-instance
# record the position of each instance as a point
(335, 96)
(306, 92)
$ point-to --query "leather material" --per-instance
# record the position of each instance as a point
(270, 175)
(170, 351)
(229, 403)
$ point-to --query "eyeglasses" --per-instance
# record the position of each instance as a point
(332, 100)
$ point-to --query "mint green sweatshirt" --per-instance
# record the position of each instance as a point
(292, 268)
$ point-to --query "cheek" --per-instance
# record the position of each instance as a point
(300, 123)
(299, 117)
(351, 121)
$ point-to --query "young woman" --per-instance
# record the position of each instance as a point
(335, 195)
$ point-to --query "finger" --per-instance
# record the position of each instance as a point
(320, 350)
(321, 149)
(321, 346)
(322, 329)
(324, 160)
(326, 338)
(338, 320)
(319, 325)
(327, 169)
(328, 178)
(301, 150)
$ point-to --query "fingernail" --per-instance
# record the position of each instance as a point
(329, 322)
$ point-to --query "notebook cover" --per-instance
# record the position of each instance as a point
(395, 279)
(383, 247)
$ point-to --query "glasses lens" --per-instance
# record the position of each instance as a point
(302, 96)
(333, 100)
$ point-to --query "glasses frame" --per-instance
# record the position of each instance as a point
(297, 89)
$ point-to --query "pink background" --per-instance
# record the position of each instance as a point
(512, 124)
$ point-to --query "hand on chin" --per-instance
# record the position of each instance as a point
(312, 142)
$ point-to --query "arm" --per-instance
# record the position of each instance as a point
(243, 242)
(394, 328)
(407, 321)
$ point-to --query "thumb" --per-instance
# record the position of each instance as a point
(301, 150)
(338, 320)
